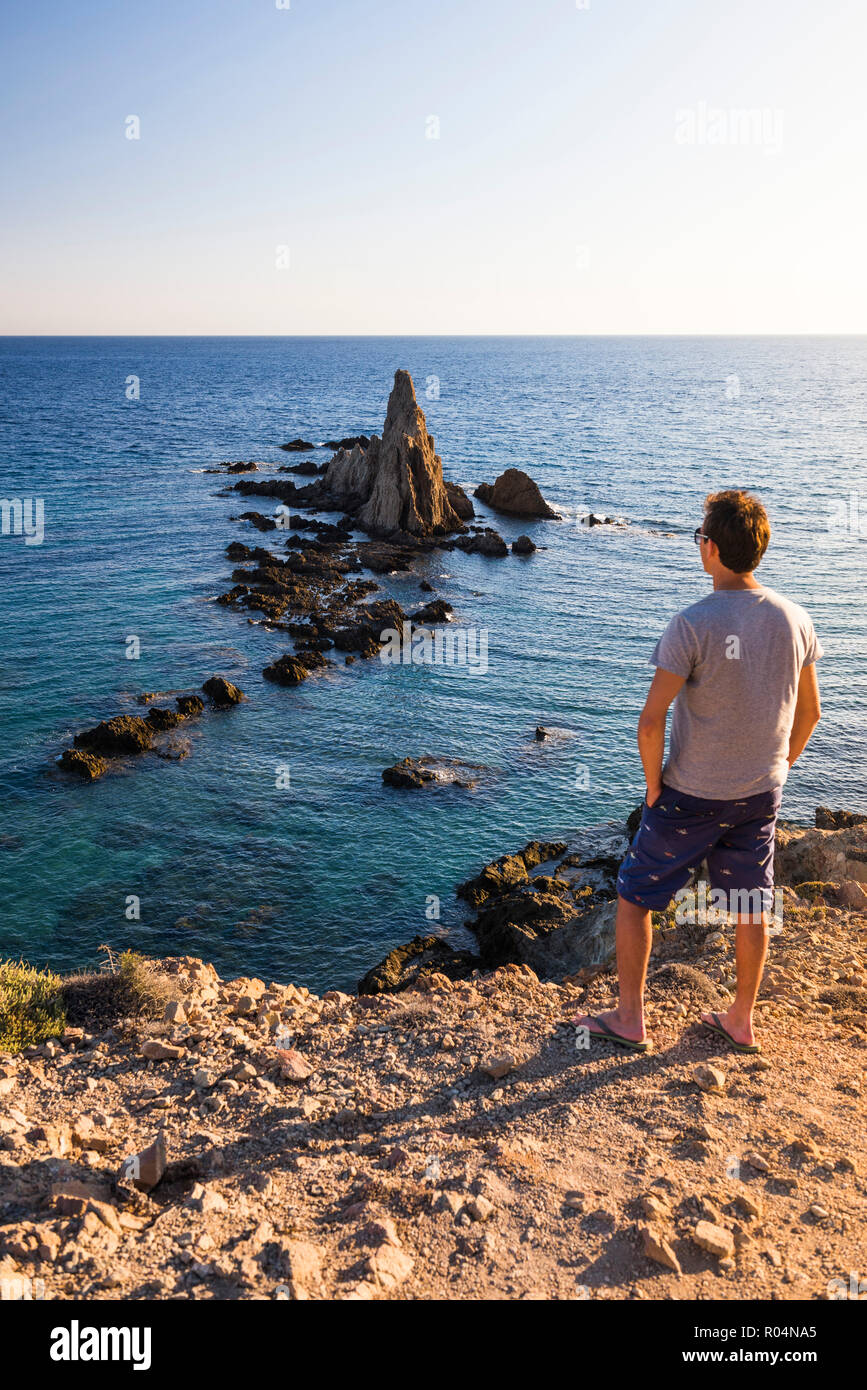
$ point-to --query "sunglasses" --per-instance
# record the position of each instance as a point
(699, 536)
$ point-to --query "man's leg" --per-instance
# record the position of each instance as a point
(751, 947)
(634, 934)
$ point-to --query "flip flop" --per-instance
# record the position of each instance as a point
(610, 1035)
(733, 1042)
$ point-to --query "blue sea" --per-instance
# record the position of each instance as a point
(316, 880)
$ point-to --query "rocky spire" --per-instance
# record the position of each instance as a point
(396, 483)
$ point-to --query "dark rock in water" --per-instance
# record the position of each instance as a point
(827, 819)
(425, 587)
(222, 693)
(541, 734)
(236, 550)
(508, 871)
(286, 492)
(437, 611)
(308, 468)
(292, 670)
(116, 738)
(298, 446)
(593, 519)
(485, 541)
(422, 772)
(160, 719)
(174, 749)
(420, 958)
(460, 502)
(238, 591)
(551, 922)
(189, 706)
(523, 546)
(240, 467)
(364, 635)
(515, 493)
(383, 557)
(348, 443)
(633, 820)
(261, 523)
(83, 764)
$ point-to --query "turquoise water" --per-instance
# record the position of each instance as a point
(316, 881)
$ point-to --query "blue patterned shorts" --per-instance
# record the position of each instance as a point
(679, 831)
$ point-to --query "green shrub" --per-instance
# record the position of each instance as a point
(31, 1006)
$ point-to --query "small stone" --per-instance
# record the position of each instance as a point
(820, 1212)
(708, 1078)
(293, 1067)
(654, 1208)
(762, 1064)
(479, 1209)
(203, 1079)
(245, 1071)
(449, 1202)
(751, 1202)
(390, 1267)
(755, 1160)
(304, 1269)
(175, 1012)
(156, 1051)
(498, 1067)
(714, 1239)
(658, 1249)
(145, 1169)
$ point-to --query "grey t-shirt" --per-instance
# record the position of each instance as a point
(740, 652)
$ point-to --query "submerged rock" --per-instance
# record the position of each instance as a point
(83, 764)
(422, 772)
(115, 738)
(160, 718)
(189, 705)
(515, 493)
(292, 670)
(420, 958)
(222, 693)
(348, 443)
(837, 820)
(261, 523)
(298, 446)
(509, 870)
(435, 611)
(484, 541)
(460, 502)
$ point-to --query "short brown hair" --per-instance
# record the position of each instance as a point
(738, 524)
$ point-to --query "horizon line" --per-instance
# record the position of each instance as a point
(807, 333)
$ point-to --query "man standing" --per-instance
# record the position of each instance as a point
(739, 667)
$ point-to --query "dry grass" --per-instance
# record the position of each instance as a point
(128, 986)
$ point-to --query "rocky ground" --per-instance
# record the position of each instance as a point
(452, 1139)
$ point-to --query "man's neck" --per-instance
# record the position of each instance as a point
(728, 580)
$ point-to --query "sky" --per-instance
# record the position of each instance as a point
(432, 166)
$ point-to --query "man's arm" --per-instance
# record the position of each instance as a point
(808, 712)
(651, 728)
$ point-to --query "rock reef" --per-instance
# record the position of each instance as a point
(515, 493)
